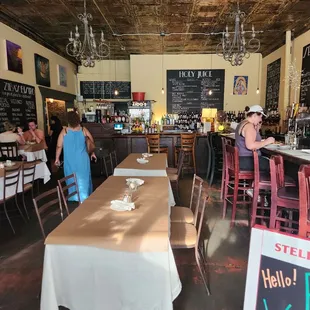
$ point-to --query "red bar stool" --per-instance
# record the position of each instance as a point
(304, 200)
(223, 184)
(283, 197)
(233, 178)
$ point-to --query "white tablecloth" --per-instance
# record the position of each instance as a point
(145, 173)
(38, 155)
(42, 172)
(89, 278)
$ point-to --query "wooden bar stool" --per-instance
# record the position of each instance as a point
(283, 198)
(304, 200)
(188, 142)
(154, 146)
(236, 180)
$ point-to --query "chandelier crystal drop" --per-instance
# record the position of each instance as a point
(88, 51)
(233, 46)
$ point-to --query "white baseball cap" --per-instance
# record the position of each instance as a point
(256, 109)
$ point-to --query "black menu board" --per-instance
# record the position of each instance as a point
(17, 102)
(273, 84)
(305, 77)
(124, 90)
(105, 89)
(188, 90)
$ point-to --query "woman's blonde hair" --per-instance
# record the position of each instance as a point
(9, 126)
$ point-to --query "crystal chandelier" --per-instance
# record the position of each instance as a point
(87, 51)
(236, 49)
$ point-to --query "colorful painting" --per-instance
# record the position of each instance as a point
(62, 76)
(42, 69)
(14, 57)
(241, 85)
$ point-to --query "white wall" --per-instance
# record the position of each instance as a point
(29, 48)
(147, 76)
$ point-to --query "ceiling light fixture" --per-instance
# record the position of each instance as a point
(236, 49)
(87, 52)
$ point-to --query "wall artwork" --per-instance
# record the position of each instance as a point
(241, 85)
(62, 76)
(14, 57)
(42, 69)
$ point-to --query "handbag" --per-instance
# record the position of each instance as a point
(89, 144)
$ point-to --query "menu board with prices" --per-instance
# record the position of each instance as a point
(17, 102)
(305, 77)
(188, 90)
(105, 89)
(273, 85)
(278, 275)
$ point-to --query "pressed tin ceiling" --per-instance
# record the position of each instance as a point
(50, 21)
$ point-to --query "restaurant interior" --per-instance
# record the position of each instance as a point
(154, 155)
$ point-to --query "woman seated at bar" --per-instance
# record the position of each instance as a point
(248, 139)
(10, 135)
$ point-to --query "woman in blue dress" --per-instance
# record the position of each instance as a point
(76, 159)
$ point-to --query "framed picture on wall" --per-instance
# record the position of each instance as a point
(62, 76)
(241, 85)
(14, 57)
(42, 70)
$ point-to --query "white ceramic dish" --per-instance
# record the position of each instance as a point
(9, 165)
(142, 161)
(147, 155)
(139, 182)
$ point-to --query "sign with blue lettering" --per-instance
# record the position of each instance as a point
(278, 276)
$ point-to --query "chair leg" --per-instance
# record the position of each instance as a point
(225, 196)
(17, 206)
(223, 182)
(234, 205)
(254, 207)
(105, 167)
(175, 158)
(194, 160)
(7, 216)
(24, 204)
(273, 214)
(199, 259)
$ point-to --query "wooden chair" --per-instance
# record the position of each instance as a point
(68, 187)
(153, 144)
(283, 198)
(223, 183)
(28, 174)
(174, 177)
(188, 143)
(10, 187)
(236, 180)
(9, 151)
(184, 214)
(304, 201)
(187, 236)
(46, 210)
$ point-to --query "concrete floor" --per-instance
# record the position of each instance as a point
(21, 260)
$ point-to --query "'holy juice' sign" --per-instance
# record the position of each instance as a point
(278, 276)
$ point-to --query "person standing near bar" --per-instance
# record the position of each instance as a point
(34, 134)
(248, 139)
(76, 159)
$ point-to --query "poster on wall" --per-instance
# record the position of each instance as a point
(278, 275)
(42, 70)
(62, 76)
(305, 77)
(241, 85)
(14, 57)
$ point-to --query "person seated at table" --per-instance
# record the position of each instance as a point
(10, 135)
(248, 139)
(34, 134)
(76, 159)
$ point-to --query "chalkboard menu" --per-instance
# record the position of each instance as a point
(278, 275)
(305, 78)
(105, 89)
(273, 85)
(188, 90)
(17, 102)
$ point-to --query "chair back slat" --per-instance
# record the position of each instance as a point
(153, 143)
(9, 150)
(11, 180)
(28, 172)
(304, 200)
(188, 141)
(53, 205)
(276, 173)
(195, 195)
(231, 159)
(66, 183)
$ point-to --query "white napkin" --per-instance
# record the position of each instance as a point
(142, 161)
(147, 154)
(139, 182)
(119, 205)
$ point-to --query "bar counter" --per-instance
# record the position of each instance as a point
(126, 144)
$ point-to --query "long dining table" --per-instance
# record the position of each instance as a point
(155, 167)
(98, 258)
